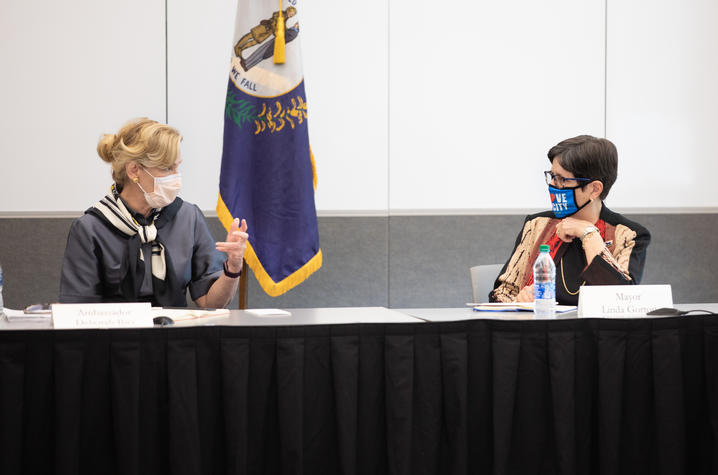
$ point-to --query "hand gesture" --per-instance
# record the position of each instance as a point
(235, 245)
(570, 228)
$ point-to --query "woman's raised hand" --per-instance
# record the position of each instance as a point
(235, 245)
(570, 228)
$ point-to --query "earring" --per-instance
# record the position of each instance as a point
(135, 180)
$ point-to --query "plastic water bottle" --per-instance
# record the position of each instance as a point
(2, 313)
(544, 284)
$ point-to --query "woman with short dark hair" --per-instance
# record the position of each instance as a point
(590, 244)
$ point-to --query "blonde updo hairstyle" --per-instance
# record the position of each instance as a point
(148, 142)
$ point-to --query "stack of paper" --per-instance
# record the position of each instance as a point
(268, 312)
(21, 316)
(179, 314)
(516, 307)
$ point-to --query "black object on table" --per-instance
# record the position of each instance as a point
(162, 320)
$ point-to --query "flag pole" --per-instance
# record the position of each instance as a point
(243, 279)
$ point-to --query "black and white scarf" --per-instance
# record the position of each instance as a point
(115, 211)
(166, 291)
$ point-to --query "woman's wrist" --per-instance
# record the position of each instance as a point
(588, 231)
(231, 271)
(593, 245)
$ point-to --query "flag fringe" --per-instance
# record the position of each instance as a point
(273, 289)
(314, 169)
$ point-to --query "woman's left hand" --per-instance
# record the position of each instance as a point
(570, 228)
(235, 245)
(526, 294)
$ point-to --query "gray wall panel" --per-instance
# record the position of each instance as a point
(430, 256)
(402, 261)
(31, 257)
(354, 270)
(683, 253)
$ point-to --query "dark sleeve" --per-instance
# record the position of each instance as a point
(626, 267)
(207, 261)
(80, 280)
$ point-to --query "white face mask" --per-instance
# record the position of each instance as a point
(166, 189)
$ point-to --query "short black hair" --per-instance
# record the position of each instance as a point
(588, 157)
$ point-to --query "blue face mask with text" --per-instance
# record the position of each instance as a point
(563, 201)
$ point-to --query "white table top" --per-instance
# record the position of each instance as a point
(299, 316)
(345, 315)
(468, 313)
(307, 316)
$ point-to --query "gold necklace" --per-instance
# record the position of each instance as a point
(563, 279)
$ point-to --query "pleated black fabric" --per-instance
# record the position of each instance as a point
(345, 386)
(125, 395)
(235, 387)
(480, 397)
(12, 377)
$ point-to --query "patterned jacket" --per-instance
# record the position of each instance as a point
(620, 263)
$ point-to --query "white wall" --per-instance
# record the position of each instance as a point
(662, 107)
(199, 37)
(71, 71)
(479, 92)
(413, 105)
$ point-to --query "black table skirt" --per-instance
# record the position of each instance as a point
(479, 397)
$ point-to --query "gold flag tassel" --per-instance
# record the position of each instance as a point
(279, 37)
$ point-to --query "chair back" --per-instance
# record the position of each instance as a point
(482, 281)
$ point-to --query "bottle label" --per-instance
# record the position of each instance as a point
(545, 290)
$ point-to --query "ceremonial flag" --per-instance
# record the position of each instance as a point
(268, 175)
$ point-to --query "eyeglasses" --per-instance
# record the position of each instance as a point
(562, 182)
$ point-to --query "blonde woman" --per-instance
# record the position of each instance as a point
(142, 243)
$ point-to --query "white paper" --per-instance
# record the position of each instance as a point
(21, 316)
(517, 307)
(180, 314)
(268, 312)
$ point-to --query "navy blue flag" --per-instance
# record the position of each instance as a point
(268, 175)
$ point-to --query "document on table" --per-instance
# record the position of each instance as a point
(179, 314)
(268, 312)
(22, 316)
(516, 307)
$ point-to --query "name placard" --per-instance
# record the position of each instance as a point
(102, 315)
(622, 301)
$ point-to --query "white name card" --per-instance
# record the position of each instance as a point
(102, 315)
(622, 301)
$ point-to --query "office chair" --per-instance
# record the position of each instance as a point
(482, 281)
